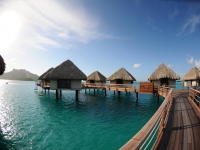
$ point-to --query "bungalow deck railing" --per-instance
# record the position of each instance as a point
(145, 138)
(194, 98)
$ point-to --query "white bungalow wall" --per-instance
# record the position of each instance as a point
(191, 83)
(156, 82)
(172, 83)
(124, 82)
(75, 85)
(127, 82)
(53, 84)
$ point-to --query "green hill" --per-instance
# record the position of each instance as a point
(19, 74)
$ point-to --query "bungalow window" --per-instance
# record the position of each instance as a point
(64, 84)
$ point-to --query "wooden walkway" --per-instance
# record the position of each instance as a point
(182, 131)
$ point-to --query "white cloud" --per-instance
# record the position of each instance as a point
(151, 23)
(174, 14)
(170, 66)
(52, 23)
(197, 63)
(137, 65)
(191, 60)
(190, 25)
(13, 59)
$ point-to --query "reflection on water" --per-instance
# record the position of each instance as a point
(29, 121)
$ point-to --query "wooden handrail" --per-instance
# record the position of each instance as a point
(194, 98)
(140, 137)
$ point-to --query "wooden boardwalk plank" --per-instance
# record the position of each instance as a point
(183, 127)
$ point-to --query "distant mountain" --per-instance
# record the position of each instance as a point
(19, 74)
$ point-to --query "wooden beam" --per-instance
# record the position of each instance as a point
(119, 94)
(136, 96)
(94, 91)
(157, 97)
(60, 93)
(56, 94)
(105, 92)
(76, 95)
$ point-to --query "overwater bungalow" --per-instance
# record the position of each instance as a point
(192, 77)
(164, 75)
(96, 77)
(44, 82)
(2, 65)
(121, 76)
(66, 76)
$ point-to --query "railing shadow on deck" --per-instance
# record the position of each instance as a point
(144, 138)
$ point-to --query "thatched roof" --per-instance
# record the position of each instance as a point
(2, 65)
(96, 76)
(66, 70)
(122, 74)
(192, 74)
(163, 72)
(43, 75)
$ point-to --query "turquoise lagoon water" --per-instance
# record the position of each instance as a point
(29, 121)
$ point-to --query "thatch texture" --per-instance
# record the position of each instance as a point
(163, 72)
(122, 74)
(96, 76)
(2, 65)
(192, 74)
(66, 70)
(43, 75)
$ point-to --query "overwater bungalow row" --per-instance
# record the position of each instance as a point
(44, 83)
(192, 77)
(163, 75)
(67, 76)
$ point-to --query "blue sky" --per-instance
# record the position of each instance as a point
(101, 35)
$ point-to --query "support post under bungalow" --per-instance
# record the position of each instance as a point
(104, 92)
(85, 90)
(60, 93)
(136, 96)
(45, 91)
(119, 94)
(157, 97)
(94, 91)
(56, 94)
(114, 92)
(76, 95)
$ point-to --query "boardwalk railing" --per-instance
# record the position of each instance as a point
(194, 98)
(163, 90)
(154, 126)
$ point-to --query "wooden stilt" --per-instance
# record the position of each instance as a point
(45, 91)
(129, 93)
(104, 92)
(157, 97)
(137, 96)
(85, 90)
(89, 90)
(60, 93)
(94, 91)
(114, 92)
(126, 92)
(57, 94)
(119, 94)
(76, 95)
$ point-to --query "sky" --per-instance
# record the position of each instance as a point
(101, 35)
